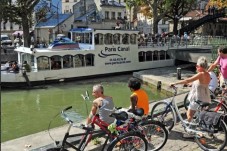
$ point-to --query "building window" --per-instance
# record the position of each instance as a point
(106, 15)
(119, 14)
(75, 0)
(66, 1)
(67, 9)
(113, 15)
(11, 26)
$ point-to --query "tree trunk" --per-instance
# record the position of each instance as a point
(155, 25)
(155, 17)
(175, 25)
(26, 35)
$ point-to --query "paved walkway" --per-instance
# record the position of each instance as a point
(40, 141)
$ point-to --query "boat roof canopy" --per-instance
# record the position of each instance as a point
(81, 30)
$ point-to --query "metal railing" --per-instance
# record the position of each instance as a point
(181, 42)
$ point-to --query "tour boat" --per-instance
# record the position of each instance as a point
(95, 52)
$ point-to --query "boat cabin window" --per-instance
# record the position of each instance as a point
(125, 38)
(55, 62)
(27, 57)
(162, 54)
(108, 39)
(79, 60)
(43, 63)
(68, 61)
(155, 55)
(133, 39)
(87, 38)
(142, 56)
(99, 39)
(149, 56)
(116, 38)
(89, 59)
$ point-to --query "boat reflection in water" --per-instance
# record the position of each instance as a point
(90, 53)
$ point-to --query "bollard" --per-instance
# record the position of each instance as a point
(159, 86)
(179, 73)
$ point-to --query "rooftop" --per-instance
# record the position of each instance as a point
(53, 20)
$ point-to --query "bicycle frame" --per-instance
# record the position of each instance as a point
(89, 132)
(176, 110)
(83, 143)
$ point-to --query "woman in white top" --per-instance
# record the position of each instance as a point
(200, 87)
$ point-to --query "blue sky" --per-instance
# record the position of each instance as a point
(55, 3)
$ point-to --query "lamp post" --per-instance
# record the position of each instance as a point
(58, 16)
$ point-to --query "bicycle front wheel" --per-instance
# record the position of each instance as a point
(155, 133)
(164, 113)
(186, 102)
(213, 141)
(129, 142)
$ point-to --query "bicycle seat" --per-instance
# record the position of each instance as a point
(123, 116)
(139, 112)
(202, 104)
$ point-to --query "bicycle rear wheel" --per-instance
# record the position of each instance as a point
(155, 133)
(213, 141)
(164, 113)
(216, 105)
(131, 141)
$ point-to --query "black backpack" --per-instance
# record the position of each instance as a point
(210, 121)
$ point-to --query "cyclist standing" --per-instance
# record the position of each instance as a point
(200, 87)
(222, 61)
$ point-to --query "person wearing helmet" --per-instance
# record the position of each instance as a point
(138, 98)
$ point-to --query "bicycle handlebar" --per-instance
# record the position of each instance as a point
(174, 88)
(67, 108)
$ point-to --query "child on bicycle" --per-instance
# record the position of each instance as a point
(139, 98)
(200, 87)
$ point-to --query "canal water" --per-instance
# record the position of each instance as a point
(25, 112)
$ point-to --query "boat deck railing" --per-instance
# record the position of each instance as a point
(185, 43)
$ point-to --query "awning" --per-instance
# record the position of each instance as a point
(16, 33)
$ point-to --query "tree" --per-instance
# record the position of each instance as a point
(6, 14)
(178, 9)
(155, 9)
(218, 3)
(25, 8)
(129, 5)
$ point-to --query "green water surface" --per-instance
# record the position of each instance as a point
(25, 112)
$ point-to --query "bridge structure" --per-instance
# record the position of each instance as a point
(197, 23)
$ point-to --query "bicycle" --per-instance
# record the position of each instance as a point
(218, 103)
(154, 131)
(129, 140)
(130, 128)
(203, 137)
